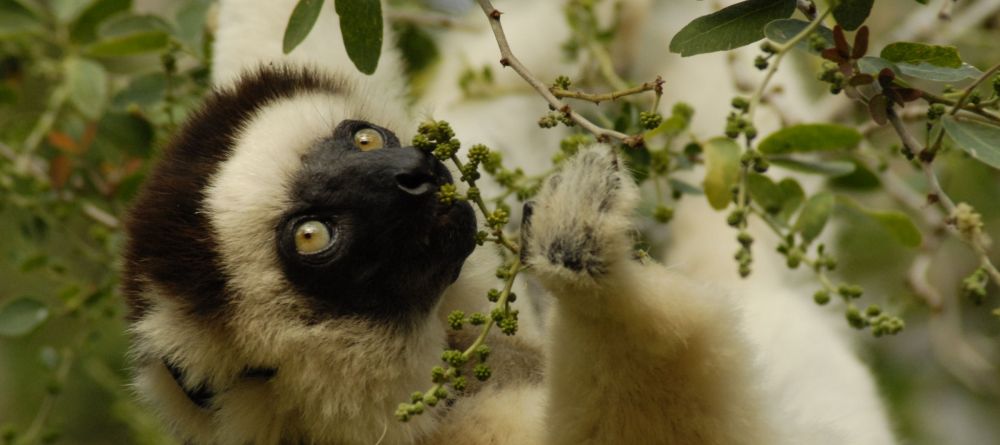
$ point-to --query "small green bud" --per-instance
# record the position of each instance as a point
(873, 310)
(548, 121)
(761, 165)
(740, 103)
(482, 353)
(744, 270)
(767, 47)
(459, 384)
(493, 295)
(760, 63)
(431, 400)
(821, 297)
(403, 412)
(416, 397)
(562, 82)
(745, 239)
(454, 358)
(477, 319)
(481, 237)
(456, 319)
(854, 318)
(650, 120)
(663, 214)
(482, 372)
(437, 374)
(735, 218)
(478, 154)
(447, 194)
(441, 393)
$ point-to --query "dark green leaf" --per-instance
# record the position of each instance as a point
(722, 170)
(84, 29)
(765, 192)
(361, 27)
(980, 140)
(123, 132)
(793, 197)
(67, 10)
(934, 73)
(190, 22)
(731, 27)
(810, 137)
(16, 20)
(130, 45)
(21, 316)
(861, 179)
(419, 50)
(899, 224)
(142, 91)
(301, 21)
(850, 14)
(915, 53)
(88, 83)
(829, 168)
(814, 215)
(783, 30)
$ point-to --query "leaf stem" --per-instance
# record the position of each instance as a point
(597, 98)
(509, 59)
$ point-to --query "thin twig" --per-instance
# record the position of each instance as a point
(597, 98)
(507, 58)
(969, 89)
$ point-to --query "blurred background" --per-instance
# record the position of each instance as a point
(90, 90)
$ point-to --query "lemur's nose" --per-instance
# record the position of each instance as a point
(415, 172)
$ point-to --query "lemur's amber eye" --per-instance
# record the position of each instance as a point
(367, 139)
(312, 237)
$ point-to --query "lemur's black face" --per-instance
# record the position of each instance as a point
(366, 233)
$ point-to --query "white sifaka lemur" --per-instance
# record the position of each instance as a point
(288, 264)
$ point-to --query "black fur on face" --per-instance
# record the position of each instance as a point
(394, 247)
(170, 240)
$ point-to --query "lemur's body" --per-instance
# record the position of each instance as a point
(244, 333)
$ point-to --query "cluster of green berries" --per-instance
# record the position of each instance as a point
(562, 82)
(744, 256)
(755, 160)
(817, 43)
(554, 118)
(448, 194)
(438, 138)
(881, 323)
(736, 122)
(650, 119)
(506, 320)
(974, 286)
(761, 61)
(832, 75)
(935, 111)
(457, 319)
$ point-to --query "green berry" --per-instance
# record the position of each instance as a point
(482, 372)
(456, 319)
(663, 214)
(821, 297)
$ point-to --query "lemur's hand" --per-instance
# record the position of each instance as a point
(578, 225)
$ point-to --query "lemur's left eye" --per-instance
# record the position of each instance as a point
(367, 139)
(312, 237)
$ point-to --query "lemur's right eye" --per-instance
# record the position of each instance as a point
(312, 237)
(367, 139)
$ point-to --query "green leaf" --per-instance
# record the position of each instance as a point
(899, 224)
(361, 28)
(783, 30)
(861, 179)
(301, 21)
(829, 168)
(793, 197)
(88, 83)
(21, 316)
(130, 45)
(915, 53)
(934, 73)
(809, 138)
(850, 14)
(980, 140)
(190, 20)
(722, 170)
(142, 91)
(67, 10)
(814, 215)
(84, 29)
(15, 20)
(765, 192)
(125, 132)
(872, 65)
(731, 27)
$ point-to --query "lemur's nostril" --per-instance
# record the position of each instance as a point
(415, 183)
